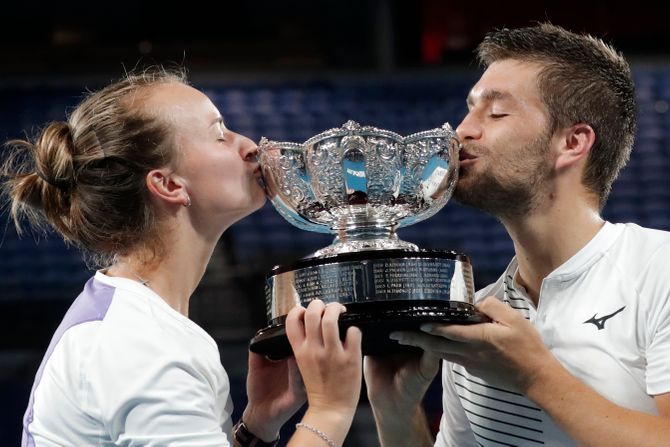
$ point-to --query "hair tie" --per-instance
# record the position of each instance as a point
(64, 185)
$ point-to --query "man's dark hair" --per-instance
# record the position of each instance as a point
(583, 80)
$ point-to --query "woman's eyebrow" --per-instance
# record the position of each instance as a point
(218, 120)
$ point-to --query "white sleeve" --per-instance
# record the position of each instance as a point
(158, 401)
(174, 407)
(455, 430)
(654, 285)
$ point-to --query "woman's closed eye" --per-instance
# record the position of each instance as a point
(222, 133)
(221, 130)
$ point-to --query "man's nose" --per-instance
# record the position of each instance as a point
(469, 129)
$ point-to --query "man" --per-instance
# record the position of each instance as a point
(578, 350)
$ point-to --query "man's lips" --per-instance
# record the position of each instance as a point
(466, 158)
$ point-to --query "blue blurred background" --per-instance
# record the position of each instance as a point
(288, 70)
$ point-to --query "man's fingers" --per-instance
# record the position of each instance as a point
(437, 346)
(497, 310)
(456, 332)
(475, 333)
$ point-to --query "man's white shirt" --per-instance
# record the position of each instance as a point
(604, 314)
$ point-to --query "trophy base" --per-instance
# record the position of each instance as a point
(376, 321)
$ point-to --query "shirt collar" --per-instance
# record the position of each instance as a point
(580, 261)
(589, 253)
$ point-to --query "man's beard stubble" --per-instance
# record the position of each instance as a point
(513, 191)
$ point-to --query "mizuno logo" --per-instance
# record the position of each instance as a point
(600, 322)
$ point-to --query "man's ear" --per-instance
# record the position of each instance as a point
(575, 144)
(168, 187)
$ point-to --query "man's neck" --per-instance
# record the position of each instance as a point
(546, 240)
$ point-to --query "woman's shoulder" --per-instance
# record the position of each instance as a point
(142, 345)
(112, 325)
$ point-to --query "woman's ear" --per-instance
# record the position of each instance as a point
(168, 187)
(576, 143)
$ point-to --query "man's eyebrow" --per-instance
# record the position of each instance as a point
(489, 96)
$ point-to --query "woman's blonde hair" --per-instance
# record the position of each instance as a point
(86, 177)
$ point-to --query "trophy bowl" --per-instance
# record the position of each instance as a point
(361, 184)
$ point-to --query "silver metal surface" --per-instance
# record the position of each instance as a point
(382, 280)
(361, 183)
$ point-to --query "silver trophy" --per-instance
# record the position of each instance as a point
(361, 184)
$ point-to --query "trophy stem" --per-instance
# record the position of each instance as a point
(356, 237)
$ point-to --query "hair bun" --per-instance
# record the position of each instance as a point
(53, 156)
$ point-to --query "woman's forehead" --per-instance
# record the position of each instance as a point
(182, 104)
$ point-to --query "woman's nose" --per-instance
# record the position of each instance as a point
(248, 149)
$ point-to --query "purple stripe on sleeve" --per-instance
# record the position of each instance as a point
(91, 305)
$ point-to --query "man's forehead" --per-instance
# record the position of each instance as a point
(511, 80)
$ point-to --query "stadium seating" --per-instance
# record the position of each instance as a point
(295, 111)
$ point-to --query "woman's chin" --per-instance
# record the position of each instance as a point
(256, 204)
(259, 200)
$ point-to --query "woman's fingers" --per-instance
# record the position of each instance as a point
(324, 360)
(329, 325)
(353, 340)
(295, 382)
(318, 325)
(313, 316)
(295, 327)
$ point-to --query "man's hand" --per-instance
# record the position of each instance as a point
(508, 351)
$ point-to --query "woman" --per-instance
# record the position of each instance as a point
(146, 177)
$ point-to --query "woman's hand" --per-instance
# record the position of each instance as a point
(396, 386)
(397, 383)
(275, 392)
(331, 369)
